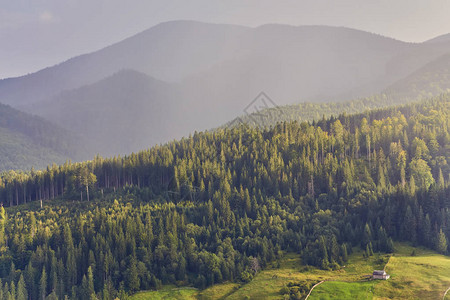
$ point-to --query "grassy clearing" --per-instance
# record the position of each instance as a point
(268, 283)
(344, 290)
(424, 276)
(169, 292)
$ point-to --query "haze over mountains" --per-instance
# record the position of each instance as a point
(27, 141)
(126, 111)
(182, 76)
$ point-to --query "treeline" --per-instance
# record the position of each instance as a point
(221, 205)
(309, 111)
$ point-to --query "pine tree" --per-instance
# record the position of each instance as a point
(334, 249)
(30, 275)
(323, 253)
(43, 285)
(370, 252)
(412, 186)
(3, 219)
(22, 293)
(367, 236)
(84, 291)
(13, 291)
(12, 272)
(427, 233)
(441, 242)
(441, 181)
(69, 255)
(367, 251)
(390, 246)
(344, 253)
(91, 282)
(52, 296)
(381, 178)
(6, 293)
(133, 276)
(409, 225)
(106, 293)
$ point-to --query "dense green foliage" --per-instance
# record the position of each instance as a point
(18, 151)
(308, 111)
(220, 205)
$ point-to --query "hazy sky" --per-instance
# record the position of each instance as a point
(38, 33)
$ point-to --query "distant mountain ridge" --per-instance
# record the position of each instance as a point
(178, 77)
(340, 58)
(143, 52)
(440, 39)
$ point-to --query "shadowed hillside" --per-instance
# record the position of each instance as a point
(27, 141)
(126, 112)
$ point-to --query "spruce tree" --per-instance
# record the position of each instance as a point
(441, 242)
(133, 276)
(91, 289)
(43, 285)
(22, 293)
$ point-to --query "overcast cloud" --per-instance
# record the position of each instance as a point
(40, 33)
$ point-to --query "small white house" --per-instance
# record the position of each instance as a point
(380, 275)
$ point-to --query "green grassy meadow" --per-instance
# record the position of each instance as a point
(423, 276)
(344, 290)
(168, 292)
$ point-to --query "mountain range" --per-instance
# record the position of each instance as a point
(182, 76)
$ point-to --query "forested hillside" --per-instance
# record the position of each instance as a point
(309, 111)
(28, 141)
(430, 80)
(221, 205)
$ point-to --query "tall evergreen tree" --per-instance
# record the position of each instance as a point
(441, 242)
(43, 285)
(22, 293)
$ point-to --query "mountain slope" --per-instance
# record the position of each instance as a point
(28, 141)
(297, 63)
(168, 51)
(310, 112)
(126, 112)
(290, 63)
(430, 80)
(445, 38)
(19, 152)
